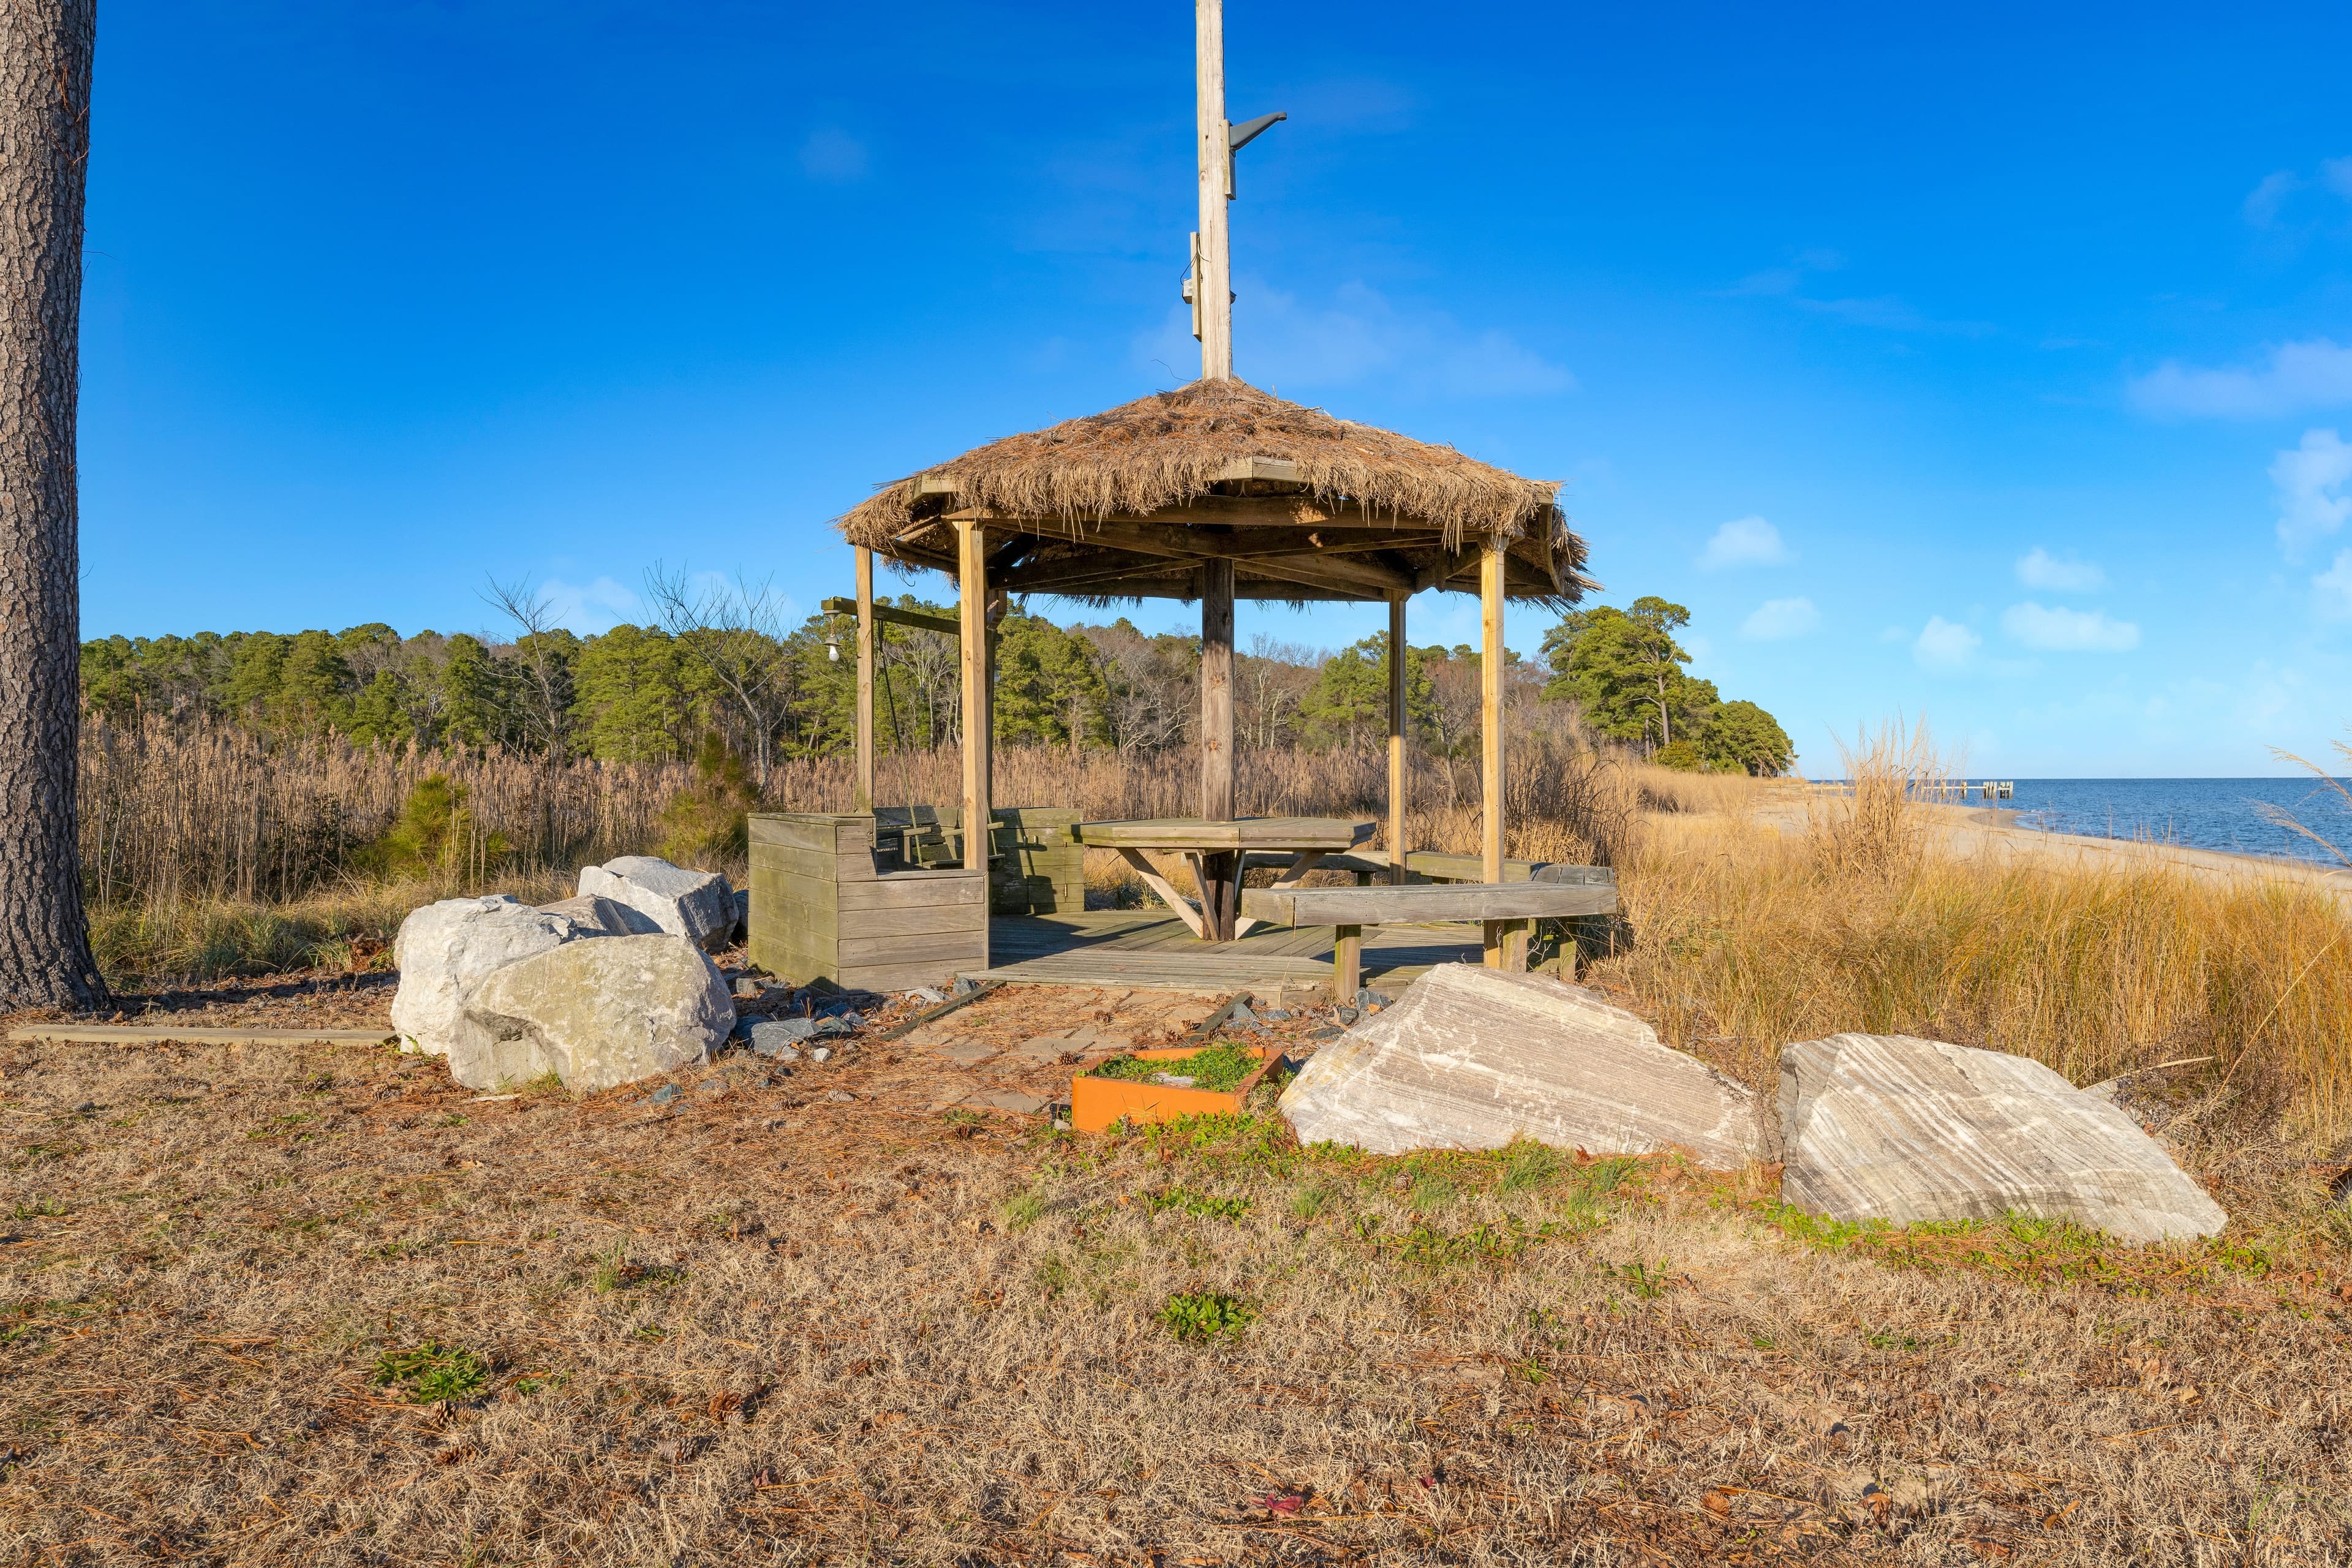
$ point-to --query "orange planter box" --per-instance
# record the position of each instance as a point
(1097, 1102)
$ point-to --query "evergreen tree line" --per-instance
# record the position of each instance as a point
(645, 694)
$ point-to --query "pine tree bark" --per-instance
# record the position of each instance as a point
(45, 69)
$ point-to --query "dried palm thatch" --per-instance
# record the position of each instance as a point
(1126, 503)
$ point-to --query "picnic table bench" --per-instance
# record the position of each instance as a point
(1495, 904)
(1436, 865)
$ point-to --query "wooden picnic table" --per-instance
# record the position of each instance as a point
(1219, 852)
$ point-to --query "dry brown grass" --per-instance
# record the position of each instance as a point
(768, 1326)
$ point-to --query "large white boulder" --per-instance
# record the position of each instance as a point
(696, 905)
(444, 951)
(1472, 1057)
(608, 918)
(1889, 1127)
(598, 1014)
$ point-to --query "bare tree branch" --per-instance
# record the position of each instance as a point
(735, 631)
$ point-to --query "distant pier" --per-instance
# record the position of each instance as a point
(1930, 789)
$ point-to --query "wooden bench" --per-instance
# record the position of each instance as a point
(1495, 904)
(1433, 866)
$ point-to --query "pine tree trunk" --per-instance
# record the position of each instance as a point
(45, 61)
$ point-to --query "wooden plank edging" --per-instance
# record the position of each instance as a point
(118, 1035)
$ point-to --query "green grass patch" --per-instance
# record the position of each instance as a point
(432, 1372)
(1219, 1067)
(1433, 1249)
(1196, 1317)
(2028, 1249)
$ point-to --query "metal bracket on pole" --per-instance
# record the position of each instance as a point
(1240, 136)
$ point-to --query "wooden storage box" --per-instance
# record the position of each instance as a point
(1097, 1102)
(827, 901)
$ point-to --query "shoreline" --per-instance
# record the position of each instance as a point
(1992, 832)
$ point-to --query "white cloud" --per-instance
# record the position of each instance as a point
(1776, 619)
(2313, 374)
(1944, 646)
(2335, 588)
(2315, 489)
(1362, 336)
(2040, 569)
(834, 156)
(589, 608)
(2263, 203)
(1493, 364)
(1744, 541)
(2061, 630)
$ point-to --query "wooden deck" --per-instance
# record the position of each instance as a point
(1150, 949)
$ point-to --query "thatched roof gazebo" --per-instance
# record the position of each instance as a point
(1136, 502)
(1212, 493)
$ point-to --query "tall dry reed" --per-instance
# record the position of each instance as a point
(1740, 939)
(179, 812)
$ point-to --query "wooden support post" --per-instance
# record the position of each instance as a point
(866, 680)
(1397, 651)
(1490, 729)
(971, 610)
(1212, 279)
(1217, 690)
(1346, 964)
(1216, 747)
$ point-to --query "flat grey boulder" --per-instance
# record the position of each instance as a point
(1470, 1058)
(1889, 1127)
(696, 905)
(445, 950)
(597, 1013)
(775, 1037)
(602, 916)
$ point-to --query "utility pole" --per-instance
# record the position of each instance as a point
(1212, 255)
(1210, 290)
(1209, 286)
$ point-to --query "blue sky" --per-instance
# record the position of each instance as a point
(1996, 369)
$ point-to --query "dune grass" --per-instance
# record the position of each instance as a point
(1738, 936)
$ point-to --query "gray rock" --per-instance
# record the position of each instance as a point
(601, 917)
(605, 1013)
(696, 905)
(1470, 1058)
(925, 994)
(774, 1037)
(446, 951)
(742, 915)
(820, 1053)
(1889, 1127)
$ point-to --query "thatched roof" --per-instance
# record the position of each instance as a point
(1125, 503)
